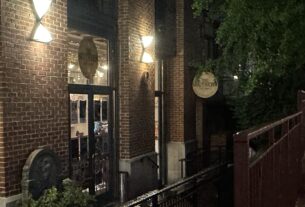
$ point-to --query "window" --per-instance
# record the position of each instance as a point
(75, 75)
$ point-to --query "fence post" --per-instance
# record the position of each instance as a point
(154, 201)
(241, 170)
(301, 107)
(300, 99)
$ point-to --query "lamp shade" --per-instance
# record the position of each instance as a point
(147, 58)
(41, 7)
(41, 34)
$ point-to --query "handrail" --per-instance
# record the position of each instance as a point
(152, 194)
(220, 149)
(255, 180)
(151, 160)
(267, 127)
(201, 150)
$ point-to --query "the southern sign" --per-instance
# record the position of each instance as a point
(205, 85)
(87, 57)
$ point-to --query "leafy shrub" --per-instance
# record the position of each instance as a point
(69, 196)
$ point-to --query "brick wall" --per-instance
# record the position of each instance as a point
(136, 94)
(34, 97)
(193, 48)
(180, 98)
(2, 165)
(175, 82)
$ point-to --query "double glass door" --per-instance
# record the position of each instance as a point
(91, 139)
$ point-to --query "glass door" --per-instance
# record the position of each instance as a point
(90, 78)
(102, 143)
(79, 139)
(91, 141)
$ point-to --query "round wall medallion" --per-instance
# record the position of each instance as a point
(87, 57)
(40, 172)
(205, 85)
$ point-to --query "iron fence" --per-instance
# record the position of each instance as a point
(200, 159)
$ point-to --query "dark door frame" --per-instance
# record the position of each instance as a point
(91, 90)
(110, 90)
(161, 133)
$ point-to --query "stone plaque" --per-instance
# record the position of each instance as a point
(205, 85)
(40, 172)
(88, 57)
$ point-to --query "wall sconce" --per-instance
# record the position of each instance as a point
(40, 33)
(146, 42)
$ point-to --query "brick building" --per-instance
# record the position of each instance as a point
(129, 115)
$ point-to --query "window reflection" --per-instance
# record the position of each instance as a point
(75, 75)
(102, 142)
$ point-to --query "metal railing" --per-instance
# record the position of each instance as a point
(183, 193)
(199, 159)
(268, 161)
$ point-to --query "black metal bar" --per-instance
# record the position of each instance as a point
(154, 201)
(151, 160)
(194, 197)
(219, 154)
(85, 89)
(181, 167)
(91, 143)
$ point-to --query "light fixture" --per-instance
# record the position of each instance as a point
(105, 67)
(146, 41)
(100, 74)
(147, 58)
(71, 65)
(40, 33)
(235, 77)
(41, 7)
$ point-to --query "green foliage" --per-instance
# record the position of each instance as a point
(270, 97)
(262, 41)
(70, 196)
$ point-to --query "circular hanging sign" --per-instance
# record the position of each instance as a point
(87, 57)
(205, 85)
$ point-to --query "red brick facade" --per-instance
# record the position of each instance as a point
(34, 102)
(136, 93)
(33, 92)
(180, 98)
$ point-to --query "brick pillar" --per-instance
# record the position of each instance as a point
(136, 97)
(180, 99)
(33, 90)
